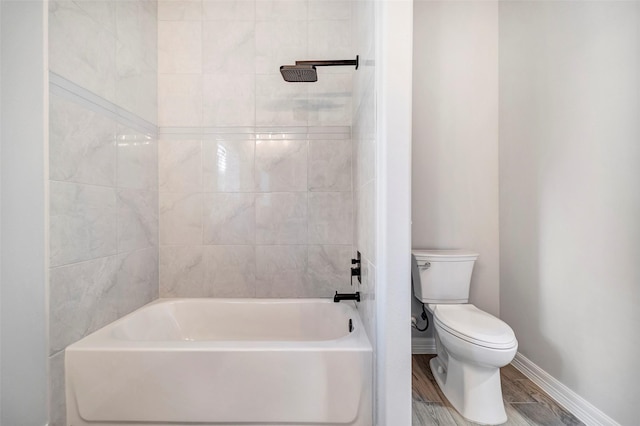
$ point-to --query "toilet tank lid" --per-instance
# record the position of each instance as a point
(445, 255)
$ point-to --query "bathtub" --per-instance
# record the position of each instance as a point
(224, 362)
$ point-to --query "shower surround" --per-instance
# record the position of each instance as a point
(254, 173)
(182, 165)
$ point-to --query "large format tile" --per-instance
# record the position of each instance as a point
(179, 100)
(281, 165)
(179, 47)
(182, 272)
(180, 218)
(229, 218)
(329, 270)
(279, 43)
(229, 99)
(281, 10)
(229, 10)
(180, 165)
(229, 47)
(137, 278)
(329, 165)
(329, 101)
(82, 144)
(83, 298)
(137, 160)
(137, 219)
(81, 49)
(330, 217)
(230, 270)
(281, 271)
(279, 103)
(228, 166)
(281, 218)
(82, 222)
(179, 10)
(329, 9)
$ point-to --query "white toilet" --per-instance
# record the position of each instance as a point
(471, 344)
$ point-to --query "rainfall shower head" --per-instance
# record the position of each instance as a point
(299, 73)
(305, 71)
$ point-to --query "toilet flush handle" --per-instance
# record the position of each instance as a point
(425, 265)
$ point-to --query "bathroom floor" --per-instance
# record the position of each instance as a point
(526, 403)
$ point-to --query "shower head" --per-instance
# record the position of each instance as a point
(299, 73)
(305, 71)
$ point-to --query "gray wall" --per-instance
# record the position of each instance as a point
(570, 194)
(23, 370)
(455, 138)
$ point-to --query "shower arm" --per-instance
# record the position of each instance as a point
(352, 62)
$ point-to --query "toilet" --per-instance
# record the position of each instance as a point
(471, 345)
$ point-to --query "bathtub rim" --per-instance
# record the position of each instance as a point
(104, 340)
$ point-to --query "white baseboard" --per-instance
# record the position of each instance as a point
(564, 396)
(423, 345)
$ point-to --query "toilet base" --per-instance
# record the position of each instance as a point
(473, 390)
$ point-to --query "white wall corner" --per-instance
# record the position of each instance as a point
(564, 396)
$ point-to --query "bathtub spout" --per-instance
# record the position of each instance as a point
(346, 296)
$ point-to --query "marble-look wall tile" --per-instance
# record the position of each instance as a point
(281, 271)
(137, 219)
(228, 166)
(137, 278)
(182, 272)
(281, 218)
(136, 58)
(179, 10)
(82, 144)
(329, 270)
(82, 222)
(281, 10)
(82, 300)
(279, 43)
(229, 99)
(228, 47)
(180, 165)
(180, 218)
(229, 218)
(329, 9)
(331, 39)
(230, 270)
(281, 165)
(180, 47)
(329, 165)
(101, 11)
(229, 10)
(179, 100)
(330, 100)
(81, 49)
(366, 221)
(137, 160)
(57, 400)
(279, 103)
(330, 217)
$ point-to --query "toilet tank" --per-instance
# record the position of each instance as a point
(442, 276)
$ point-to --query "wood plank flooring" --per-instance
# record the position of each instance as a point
(526, 404)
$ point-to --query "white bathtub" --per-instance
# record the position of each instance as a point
(224, 362)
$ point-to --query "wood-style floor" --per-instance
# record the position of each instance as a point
(526, 403)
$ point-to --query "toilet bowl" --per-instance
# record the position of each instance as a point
(471, 345)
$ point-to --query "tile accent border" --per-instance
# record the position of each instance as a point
(564, 396)
(71, 91)
(423, 345)
(257, 133)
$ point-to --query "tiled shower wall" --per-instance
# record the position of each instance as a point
(254, 173)
(102, 171)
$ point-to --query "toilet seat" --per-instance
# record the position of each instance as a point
(473, 325)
